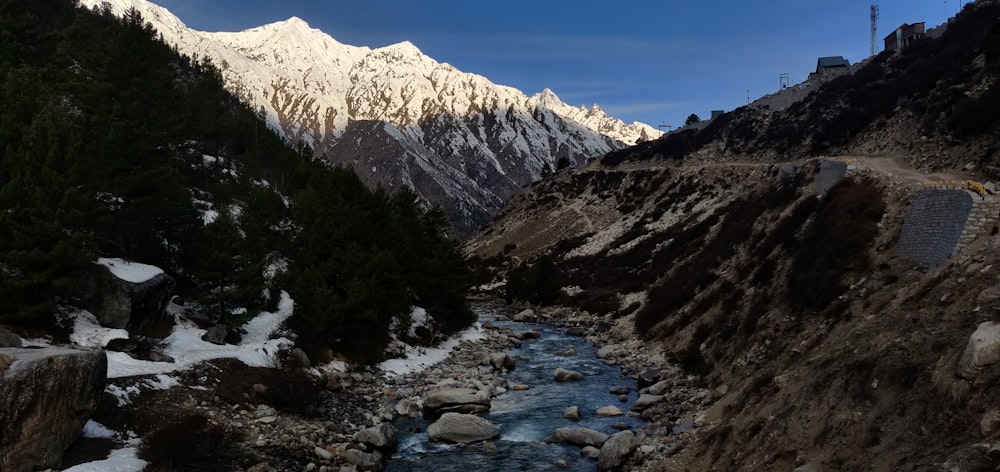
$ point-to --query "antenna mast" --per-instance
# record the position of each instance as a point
(874, 28)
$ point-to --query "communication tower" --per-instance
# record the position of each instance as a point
(874, 28)
(784, 79)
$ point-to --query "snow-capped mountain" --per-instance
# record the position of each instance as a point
(397, 116)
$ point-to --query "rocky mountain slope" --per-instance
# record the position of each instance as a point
(397, 116)
(732, 253)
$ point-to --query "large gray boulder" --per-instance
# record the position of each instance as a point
(119, 303)
(982, 350)
(462, 428)
(8, 339)
(577, 436)
(381, 437)
(456, 400)
(46, 396)
(616, 450)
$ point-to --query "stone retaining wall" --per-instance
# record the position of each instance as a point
(984, 220)
(934, 225)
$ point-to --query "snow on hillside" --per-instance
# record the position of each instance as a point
(456, 138)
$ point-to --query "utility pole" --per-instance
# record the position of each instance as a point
(875, 28)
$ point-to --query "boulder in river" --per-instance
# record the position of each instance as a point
(609, 411)
(577, 436)
(572, 413)
(456, 400)
(563, 375)
(529, 334)
(462, 428)
(616, 450)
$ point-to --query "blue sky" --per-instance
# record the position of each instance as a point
(652, 61)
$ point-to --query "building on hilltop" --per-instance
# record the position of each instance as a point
(830, 64)
(904, 36)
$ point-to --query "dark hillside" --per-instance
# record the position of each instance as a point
(114, 145)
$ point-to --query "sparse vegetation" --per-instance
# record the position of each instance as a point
(838, 243)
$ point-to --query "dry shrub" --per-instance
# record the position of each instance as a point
(947, 383)
(190, 443)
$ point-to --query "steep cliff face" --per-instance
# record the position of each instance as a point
(479, 140)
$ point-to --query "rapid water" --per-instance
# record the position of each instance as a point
(526, 417)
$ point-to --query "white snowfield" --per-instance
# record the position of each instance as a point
(187, 348)
(130, 271)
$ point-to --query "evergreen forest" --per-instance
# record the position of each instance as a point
(112, 144)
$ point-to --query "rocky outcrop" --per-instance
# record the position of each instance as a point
(577, 436)
(46, 396)
(462, 428)
(119, 303)
(456, 400)
(616, 450)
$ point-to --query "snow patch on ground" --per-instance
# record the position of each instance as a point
(94, 429)
(120, 460)
(88, 332)
(130, 271)
(420, 358)
(187, 348)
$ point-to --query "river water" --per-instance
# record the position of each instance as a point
(526, 417)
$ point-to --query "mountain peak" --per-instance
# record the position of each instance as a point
(547, 97)
(293, 23)
(404, 47)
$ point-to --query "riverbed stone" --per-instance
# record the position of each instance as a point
(648, 376)
(645, 401)
(408, 407)
(462, 428)
(572, 413)
(607, 351)
(362, 460)
(456, 400)
(616, 450)
(620, 390)
(502, 361)
(577, 436)
(381, 437)
(529, 334)
(609, 410)
(564, 375)
(576, 331)
(525, 315)
(590, 452)
(658, 388)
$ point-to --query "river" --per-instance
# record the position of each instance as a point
(528, 416)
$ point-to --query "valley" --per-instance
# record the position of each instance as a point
(238, 264)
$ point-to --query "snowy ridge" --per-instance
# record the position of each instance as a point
(459, 140)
